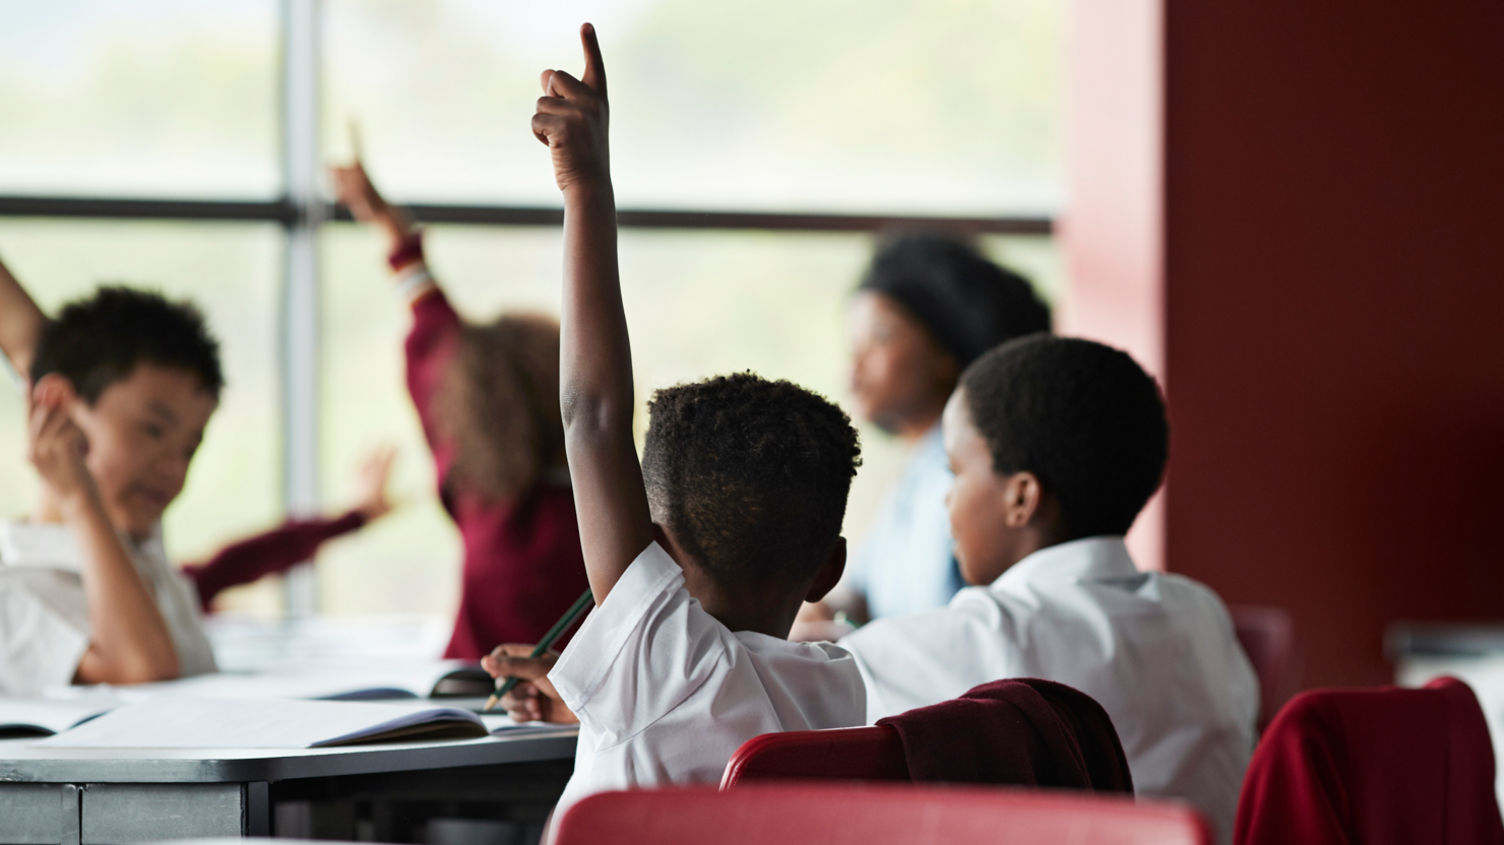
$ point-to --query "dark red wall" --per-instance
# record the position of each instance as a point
(1334, 313)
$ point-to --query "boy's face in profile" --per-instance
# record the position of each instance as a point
(142, 433)
(986, 543)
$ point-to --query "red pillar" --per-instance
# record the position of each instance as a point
(1330, 226)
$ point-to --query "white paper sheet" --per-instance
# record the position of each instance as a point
(181, 722)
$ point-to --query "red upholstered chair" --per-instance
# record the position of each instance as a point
(1384, 766)
(838, 754)
(874, 814)
(1267, 635)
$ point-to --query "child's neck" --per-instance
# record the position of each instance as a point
(768, 614)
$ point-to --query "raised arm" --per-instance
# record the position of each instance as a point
(356, 192)
(21, 323)
(595, 380)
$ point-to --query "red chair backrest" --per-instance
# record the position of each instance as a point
(1384, 766)
(874, 814)
(1267, 635)
(838, 754)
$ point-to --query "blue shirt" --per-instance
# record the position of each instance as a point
(907, 562)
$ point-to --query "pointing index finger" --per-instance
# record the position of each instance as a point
(595, 68)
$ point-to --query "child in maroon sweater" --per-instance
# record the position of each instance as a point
(488, 398)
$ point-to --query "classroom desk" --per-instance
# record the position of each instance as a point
(383, 792)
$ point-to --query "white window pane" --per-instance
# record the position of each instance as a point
(699, 304)
(230, 271)
(911, 106)
(147, 98)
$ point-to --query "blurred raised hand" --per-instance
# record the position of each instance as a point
(373, 500)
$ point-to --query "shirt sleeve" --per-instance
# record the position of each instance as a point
(278, 550)
(642, 653)
(41, 642)
(925, 658)
(430, 347)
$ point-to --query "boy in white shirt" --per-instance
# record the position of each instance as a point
(700, 557)
(122, 385)
(1056, 445)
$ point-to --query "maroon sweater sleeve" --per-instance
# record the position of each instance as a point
(275, 551)
(430, 347)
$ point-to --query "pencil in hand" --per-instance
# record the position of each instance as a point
(575, 611)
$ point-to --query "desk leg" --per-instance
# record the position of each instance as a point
(258, 809)
(72, 815)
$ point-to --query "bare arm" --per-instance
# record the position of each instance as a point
(357, 193)
(21, 323)
(595, 389)
(128, 639)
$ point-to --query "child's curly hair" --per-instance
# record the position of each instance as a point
(499, 405)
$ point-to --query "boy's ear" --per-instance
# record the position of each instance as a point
(830, 572)
(1022, 495)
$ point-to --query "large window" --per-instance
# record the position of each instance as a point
(757, 149)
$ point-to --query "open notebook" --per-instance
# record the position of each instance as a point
(334, 680)
(182, 722)
(20, 717)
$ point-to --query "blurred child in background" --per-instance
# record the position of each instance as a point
(488, 398)
(119, 390)
(927, 307)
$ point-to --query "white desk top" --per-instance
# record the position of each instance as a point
(19, 762)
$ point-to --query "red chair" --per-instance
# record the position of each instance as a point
(1385, 766)
(874, 814)
(1267, 635)
(837, 754)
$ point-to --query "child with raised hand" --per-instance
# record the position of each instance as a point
(488, 398)
(1056, 445)
(700, 556)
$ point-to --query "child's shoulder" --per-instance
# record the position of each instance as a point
(49, 545)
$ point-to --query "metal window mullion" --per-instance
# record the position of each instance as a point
(299, 347)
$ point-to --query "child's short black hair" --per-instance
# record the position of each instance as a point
(1083, 417)
(752, 475)
(99, 340)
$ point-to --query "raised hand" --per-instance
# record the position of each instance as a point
(572, 120)
(373, 500)
(353, 189)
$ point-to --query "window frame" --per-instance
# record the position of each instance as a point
(302, 210)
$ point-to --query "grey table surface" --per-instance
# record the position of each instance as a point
(21, 762)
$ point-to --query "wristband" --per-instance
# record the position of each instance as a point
(410, 250)
(414, 283)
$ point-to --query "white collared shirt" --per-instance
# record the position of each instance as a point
(44, 617)
(665, 693)
(1157, 651)
(906, 563)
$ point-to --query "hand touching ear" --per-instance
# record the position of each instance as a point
(572, 119)
(56, 445)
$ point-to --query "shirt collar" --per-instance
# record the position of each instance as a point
(1087, 559)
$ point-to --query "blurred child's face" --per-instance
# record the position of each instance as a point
(898, 373)
(988, 538)
(142, 432)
